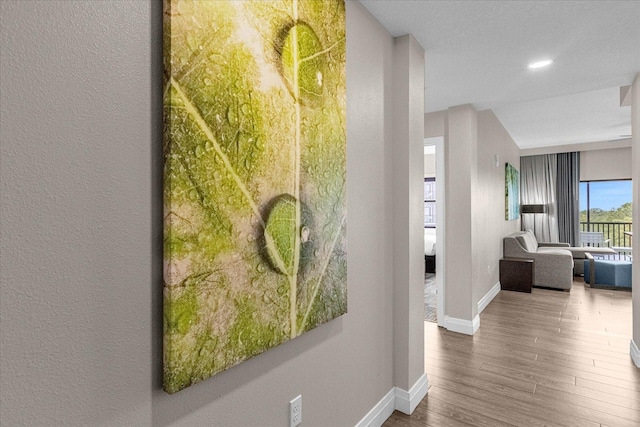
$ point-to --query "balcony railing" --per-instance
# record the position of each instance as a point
(615, 233)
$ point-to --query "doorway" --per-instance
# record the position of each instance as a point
(434, 195)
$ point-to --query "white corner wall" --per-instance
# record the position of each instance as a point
(81, 241)
(408, 216)
(605, 164)
(635, 146)
(461, 144)
(475, 223)
(490, 225)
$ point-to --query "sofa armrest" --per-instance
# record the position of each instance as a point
(553, 268)
(592, 270)
(554, 245)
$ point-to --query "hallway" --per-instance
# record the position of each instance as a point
(545, 358)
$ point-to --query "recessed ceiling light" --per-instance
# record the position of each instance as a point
(540, 64)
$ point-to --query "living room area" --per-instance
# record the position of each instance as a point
(544, 356)
(581, 200)
(556, 350)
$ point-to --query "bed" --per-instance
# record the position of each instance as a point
(430, 250)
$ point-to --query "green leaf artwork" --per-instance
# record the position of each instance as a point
(254, 178)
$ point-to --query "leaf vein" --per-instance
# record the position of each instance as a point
(322, 272)
(209, 134)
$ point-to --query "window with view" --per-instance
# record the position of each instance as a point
(606, 206)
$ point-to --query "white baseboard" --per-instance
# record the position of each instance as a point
(469, 327)
(635, 354)
(462, 326)
(485, 300)
(397, 399)
(406, 401)
(381, 411)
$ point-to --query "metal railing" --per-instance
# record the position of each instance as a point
(614, 232)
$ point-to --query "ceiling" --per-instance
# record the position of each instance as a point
(476, 52)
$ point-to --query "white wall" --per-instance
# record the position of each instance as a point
(475, 202)
(81, 242)
(584, 146)
(434, 123)
(635, 274)
(613, 163)
(602, 160)
(408, 214)
(429, 165)
(489, 223)
(461, 142)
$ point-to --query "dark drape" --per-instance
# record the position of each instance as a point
(567, 192)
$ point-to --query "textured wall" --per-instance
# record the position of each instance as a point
(81, 222)
(79, 210)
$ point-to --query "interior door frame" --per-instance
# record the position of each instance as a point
(438, 141)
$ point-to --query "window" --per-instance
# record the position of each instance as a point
(429, 202)
(606, 206)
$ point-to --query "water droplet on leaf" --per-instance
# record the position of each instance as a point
(282, 234)
(301, 68)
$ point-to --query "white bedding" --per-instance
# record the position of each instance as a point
(429, 241)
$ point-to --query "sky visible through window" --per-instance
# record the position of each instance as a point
(605, 195)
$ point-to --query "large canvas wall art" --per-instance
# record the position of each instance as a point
(512, 193)
(255, 169)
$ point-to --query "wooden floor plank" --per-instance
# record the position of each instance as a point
(608, 411)
(422, 417)
(485, 413)
(458, 412)
(544, 358)
(519, 412)
(629, 401)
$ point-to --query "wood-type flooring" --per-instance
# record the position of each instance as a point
(549, 358)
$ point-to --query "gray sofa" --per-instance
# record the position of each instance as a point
(553, 264)
(579, 253)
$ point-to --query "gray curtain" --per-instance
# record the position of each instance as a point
(538, 186)
(567, 192)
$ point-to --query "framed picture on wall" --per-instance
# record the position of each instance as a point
(512, 193)
(254, 178)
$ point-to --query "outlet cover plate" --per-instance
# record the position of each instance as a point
(295, 411)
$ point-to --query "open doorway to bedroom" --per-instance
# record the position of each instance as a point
(433, 229)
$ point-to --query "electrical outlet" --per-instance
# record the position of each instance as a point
(295, 411)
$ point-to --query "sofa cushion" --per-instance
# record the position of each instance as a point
(557, 251)
(579, 251)
(528, 241)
